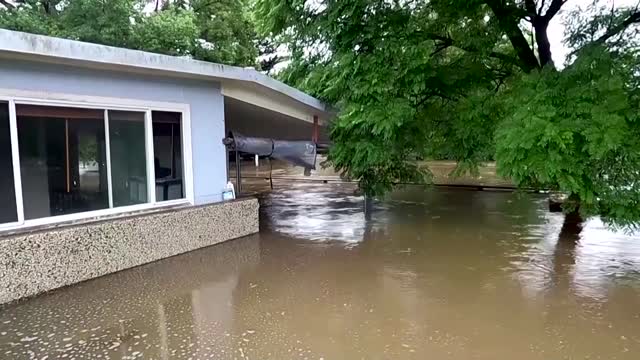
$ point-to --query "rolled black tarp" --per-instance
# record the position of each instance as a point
(300, 153)
(253, 145)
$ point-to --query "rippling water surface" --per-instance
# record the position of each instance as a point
(435, 274)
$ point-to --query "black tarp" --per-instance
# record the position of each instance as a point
(300, 153)
(253, 145)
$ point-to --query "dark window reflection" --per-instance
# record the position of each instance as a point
(128, 158)
(8, 212)
(62, 160)
(167, 149)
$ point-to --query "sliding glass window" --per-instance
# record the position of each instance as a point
(128, 157)
(167, 150)
(58, 161)
(8, 210)
(62, 160)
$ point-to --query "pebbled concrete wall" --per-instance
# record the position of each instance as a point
(32, 263)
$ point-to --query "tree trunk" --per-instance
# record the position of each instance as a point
(564, 257)
(572, 225)
(509, 25)
(542, 40)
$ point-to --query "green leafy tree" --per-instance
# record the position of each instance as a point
(227, 34)
(473, 80)
(210, 30)
(172, 31)
(105, 22)
(576, 131)
(33, 16)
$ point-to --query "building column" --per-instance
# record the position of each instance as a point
(316, 130)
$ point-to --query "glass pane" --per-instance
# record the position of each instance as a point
(8, 212)
(167, 149)
(128, 158)
(62, 160)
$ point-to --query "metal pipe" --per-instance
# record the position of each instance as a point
(270, 173)
(315, 132)
(66, 148)
(238, 180)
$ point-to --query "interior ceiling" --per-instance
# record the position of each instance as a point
(250, 120)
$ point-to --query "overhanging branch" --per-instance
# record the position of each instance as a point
(505, 57)
(634, 18)
(554, 7)
(530, 5)
(541, 24)
(508, 23)
(7, 4)
(541, 7)
(445, 42)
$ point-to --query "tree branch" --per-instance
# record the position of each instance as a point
(612, 14)
(544, 45)
(7, 4)
(632, 19)
(202, 6)
(530, 5)
(49, 8)
(508, 23)
(441, 47)
(540, 24)
(446, 42)
(541, 7)
(555, 6)
(504, 57)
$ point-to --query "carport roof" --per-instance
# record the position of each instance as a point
(26, 46)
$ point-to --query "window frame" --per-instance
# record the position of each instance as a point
(13, 97)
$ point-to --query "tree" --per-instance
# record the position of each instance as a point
(110, 21)
(473, 80)
(31, 16)
(227, 34)
(172, 31)
(269, 56)
(576, 131)
(210, 30)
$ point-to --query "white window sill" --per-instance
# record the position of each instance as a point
(54, 222)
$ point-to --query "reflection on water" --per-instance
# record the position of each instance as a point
(600, 261)
(437, 274)
(316, 213)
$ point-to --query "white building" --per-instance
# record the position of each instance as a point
(112, 158)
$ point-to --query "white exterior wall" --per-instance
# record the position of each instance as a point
(204, 99)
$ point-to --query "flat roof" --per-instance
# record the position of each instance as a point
(14, 44)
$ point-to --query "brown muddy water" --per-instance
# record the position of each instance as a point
(435, 274)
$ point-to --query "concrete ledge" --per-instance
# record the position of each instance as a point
(33, 263)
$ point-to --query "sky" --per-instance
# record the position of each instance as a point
(556, 28)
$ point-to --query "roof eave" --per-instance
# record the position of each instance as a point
(50, 49)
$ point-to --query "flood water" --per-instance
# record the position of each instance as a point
(435, 274)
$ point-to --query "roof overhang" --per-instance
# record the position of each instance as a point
(248, 119)
(244, 84)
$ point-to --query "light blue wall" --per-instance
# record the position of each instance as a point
(205, 99)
